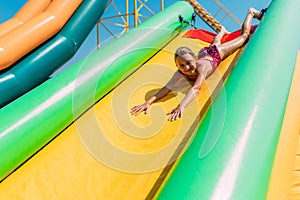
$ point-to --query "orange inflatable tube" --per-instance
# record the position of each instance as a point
(35, 31)
(28, 11)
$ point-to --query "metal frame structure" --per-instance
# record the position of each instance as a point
(227, 13)
(130, 13)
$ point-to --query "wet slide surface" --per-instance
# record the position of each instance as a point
(107, 153)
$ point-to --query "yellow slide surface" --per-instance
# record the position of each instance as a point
(285, 178)
(36, 29)
(109, 154)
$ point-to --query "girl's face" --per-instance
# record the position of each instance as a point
(186, 64)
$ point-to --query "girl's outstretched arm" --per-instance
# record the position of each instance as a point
(160, 94)
(192, 93)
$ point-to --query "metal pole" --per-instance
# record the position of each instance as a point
(98, 35)
(135, 13)
(127, 17)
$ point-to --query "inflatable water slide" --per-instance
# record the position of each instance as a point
(72, 137)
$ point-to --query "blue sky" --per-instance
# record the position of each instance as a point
(239, 8)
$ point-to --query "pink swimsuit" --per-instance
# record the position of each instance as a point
(213, 52)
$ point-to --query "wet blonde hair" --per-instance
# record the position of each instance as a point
(182, 51)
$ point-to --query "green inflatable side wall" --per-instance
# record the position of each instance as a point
(232, 155)
(38, 116)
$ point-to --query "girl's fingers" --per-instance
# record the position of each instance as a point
(147, 110)
(138, 109)
(135, 110)
(170, 112)
(173, 117)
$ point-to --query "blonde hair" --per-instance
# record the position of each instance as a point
(182, 51)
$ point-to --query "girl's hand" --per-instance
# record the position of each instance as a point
(140, 108)
(175, 113)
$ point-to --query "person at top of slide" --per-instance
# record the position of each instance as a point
(198, 68)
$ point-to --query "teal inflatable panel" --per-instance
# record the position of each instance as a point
(38, 65)
(34, 119)
(232, 154)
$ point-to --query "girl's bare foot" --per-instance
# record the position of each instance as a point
(257, 14)
(262, 13)
(254, 12)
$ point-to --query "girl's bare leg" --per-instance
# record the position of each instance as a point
(229, 47)
(219, 36)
